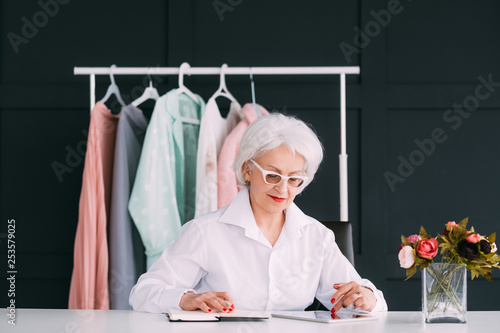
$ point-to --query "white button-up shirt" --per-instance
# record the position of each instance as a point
(226, 251)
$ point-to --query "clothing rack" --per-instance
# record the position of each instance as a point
(328, 70)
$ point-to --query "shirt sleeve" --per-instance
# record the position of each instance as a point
(338, 269)
(177, 271)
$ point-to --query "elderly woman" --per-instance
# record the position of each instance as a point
(261, 252)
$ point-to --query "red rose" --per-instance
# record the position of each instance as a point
(427, 248)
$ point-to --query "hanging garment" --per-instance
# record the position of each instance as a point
(163, 195)
(213, 130)
(227, 184)
(126, 252)
(89, 282)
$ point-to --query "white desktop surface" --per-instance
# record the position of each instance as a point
(96, 321)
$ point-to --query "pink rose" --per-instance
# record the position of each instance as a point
(474, 238)
(427, 248)
(449, 227)
(406, 257)
(451, 224)
(413, 238)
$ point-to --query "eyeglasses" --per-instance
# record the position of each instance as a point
(273, 178)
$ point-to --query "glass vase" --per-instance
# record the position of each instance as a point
(444, 293)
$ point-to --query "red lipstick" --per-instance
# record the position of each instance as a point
(277, 199)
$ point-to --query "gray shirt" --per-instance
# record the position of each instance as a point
(126, 251)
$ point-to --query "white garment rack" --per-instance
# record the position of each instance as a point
(342, 71)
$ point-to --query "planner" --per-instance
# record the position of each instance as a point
(198, 315)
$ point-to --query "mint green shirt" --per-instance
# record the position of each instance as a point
(164, 192)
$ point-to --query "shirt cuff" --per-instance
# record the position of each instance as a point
(171, 298)
(380, 305)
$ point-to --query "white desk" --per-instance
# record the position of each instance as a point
(96, 321)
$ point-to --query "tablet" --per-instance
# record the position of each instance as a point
(324, 316)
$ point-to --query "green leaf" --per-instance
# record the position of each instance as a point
(410, 271)
(404, 241)
(423, 233)
(494, 258)
(473, 274)
(418, 260)
(445, 247)
(425, 264)
(492, 238)
(464, 222)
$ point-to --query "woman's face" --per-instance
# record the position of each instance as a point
(273, 199)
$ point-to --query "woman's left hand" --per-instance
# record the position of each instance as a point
(352, 292)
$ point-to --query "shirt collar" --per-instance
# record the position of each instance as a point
(240, 213)
(295, 221)
(171, 100)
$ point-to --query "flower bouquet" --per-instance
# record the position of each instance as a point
(443, 284)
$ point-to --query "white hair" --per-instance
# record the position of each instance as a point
(270, 132)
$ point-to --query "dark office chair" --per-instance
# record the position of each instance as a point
(343, 238)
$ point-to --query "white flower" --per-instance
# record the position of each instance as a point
(406, 257)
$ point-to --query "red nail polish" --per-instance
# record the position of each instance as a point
(333, 316)
(332, 300)
(332, 310)
(224, 309)
(232, 305)
(209, 310)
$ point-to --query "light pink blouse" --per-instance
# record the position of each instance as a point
(227, 184)
(89, 283)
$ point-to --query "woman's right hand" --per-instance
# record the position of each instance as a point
(207, 301)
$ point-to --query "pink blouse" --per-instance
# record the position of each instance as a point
(227, 184)
(89, 283)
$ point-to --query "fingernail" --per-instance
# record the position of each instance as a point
(333, 316)
(332, 300)
(332, 310)
(209, 310)
(224, 309)
(336, 285)
(232, 305)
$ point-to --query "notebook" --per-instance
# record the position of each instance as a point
(324, 316)
(198, 315)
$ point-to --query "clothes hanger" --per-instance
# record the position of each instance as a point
(182, 88)
(222, 91)
(252, 85)
(113, 89)
(149, 93)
